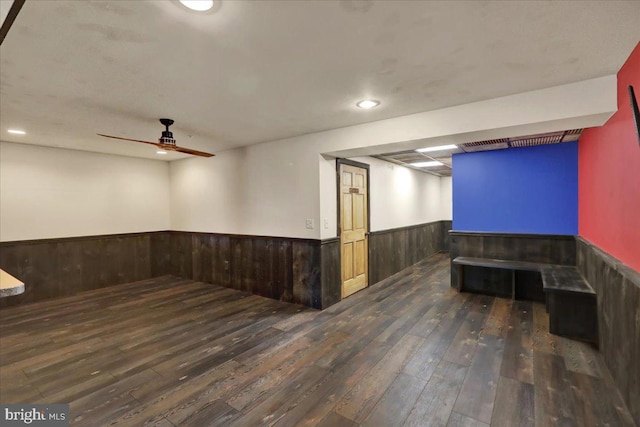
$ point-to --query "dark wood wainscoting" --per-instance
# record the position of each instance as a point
(331, 279)
(285, 269)
(301, 271)
(618, 289)
(393, 250)
(54, 268)
(446, 227)
(544, 248)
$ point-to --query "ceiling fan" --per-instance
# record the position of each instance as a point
(166, 141)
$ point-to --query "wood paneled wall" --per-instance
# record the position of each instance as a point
(331, 272)
(547, 248)
(618, 289)
(60, 267)
(446, 241)
(301, 271)
(279, 268)
(393, 250)
(285, 269)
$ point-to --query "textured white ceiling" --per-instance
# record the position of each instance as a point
(264, 70)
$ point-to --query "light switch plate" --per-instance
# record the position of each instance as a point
(309, 223)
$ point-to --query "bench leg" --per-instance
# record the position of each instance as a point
(573, 315)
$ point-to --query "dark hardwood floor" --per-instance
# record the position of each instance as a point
(407, 351)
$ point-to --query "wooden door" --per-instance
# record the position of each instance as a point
(353, 228)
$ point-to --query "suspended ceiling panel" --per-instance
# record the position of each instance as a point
(407, 158)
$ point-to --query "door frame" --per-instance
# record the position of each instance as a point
(342, 161)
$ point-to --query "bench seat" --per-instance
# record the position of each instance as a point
(571, 301)
(500, 284)
(499, 263)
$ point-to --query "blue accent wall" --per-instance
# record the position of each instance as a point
(517, 190)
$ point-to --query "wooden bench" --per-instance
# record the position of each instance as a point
(571, 303)
(570, 300)
(491, 288)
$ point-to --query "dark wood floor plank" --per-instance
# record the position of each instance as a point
(521, 410)
(109, 402)
(459, 420)
(216, 413)
(430, 353)
(517, 361)
(260, 386)
(464, 343)
(395, 405)
(580, 357)
(227, 385)
(336, 420)
(174, 352)
(168, 402)
(543, 341)
(554, 401)
(498, 318)
(434, 405)
(320, 399)
(476, 398)
(596, 404)
(283, 399)
(361, 399)
(19, 394)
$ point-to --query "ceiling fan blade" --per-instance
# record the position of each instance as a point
(193, 152)
(168, 147)
(129, 139)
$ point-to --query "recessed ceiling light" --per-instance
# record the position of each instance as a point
(367, 104)
(17, 132)
(438, 148)
(426, 164)
(198, 5)
(161, 152)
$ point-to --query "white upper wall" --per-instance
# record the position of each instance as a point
(286, 182)
(271, 188)
(52, 192)
(446, 198)
(400, 196)
(207, 194)
(268, 190)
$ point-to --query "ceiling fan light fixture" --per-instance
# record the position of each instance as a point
(198, 5)
(367, 104)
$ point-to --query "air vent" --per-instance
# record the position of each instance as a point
(488, 142)
(492, 144)
(572, 135)
(537, 140)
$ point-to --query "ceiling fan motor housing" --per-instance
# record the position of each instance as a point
(167, 135)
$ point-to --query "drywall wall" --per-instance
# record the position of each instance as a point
(286, 182)
(207, 194)
(446, 198)
(609, 176)
(517, 190)
(51, 192)
(328, 198)
(264, 190)
(400, 196)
